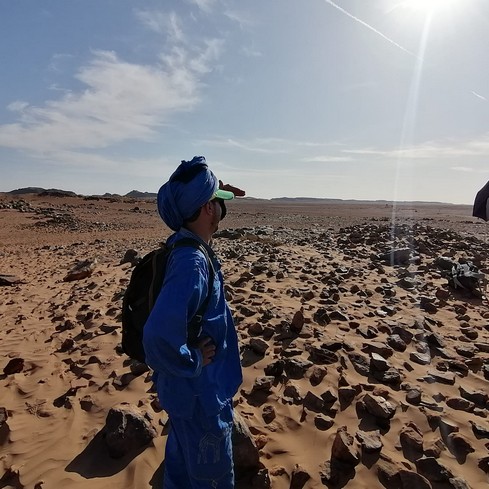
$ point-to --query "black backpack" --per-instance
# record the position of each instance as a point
(141, 294)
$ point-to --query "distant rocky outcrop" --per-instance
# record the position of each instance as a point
(51, 192)
(27, 190)
(136, 194)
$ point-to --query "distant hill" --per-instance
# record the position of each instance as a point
(136, 194)
(50, 192)
(26, 190)
(317, 200)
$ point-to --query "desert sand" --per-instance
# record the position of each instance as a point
(359, 370)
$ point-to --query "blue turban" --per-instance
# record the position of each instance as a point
(189, 188)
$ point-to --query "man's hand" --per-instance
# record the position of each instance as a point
(208, 350)
(235, 190)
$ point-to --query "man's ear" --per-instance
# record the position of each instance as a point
(208, 207)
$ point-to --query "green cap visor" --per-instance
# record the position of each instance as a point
(223, 194)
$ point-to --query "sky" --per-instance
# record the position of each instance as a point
(348, 99)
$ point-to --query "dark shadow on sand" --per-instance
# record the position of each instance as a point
(95, 461)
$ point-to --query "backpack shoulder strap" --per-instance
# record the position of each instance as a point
(194, 325)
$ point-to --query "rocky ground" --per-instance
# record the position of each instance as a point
(362, 366)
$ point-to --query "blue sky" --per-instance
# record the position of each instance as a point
(352, 99)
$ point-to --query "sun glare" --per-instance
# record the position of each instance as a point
(430, 6)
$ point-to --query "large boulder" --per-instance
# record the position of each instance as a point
(126, 429)
(245, 452)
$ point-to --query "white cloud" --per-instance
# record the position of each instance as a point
(265, 145)
(430, 150)
(17, 106)
(162, 23)
(251, 52)
(327, 159)
(244, 20)
(255, 146)
(205, 5)
(122, 101)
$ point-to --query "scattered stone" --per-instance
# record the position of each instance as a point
(433, 470)
(317, 375)
(297, 322)
(126, 429)
(370, 440)
(413, 396)
(14, 366)
(81, 270)
(259, 346)
(323, 422)
(343, 449)
(459, 445)
(268, 413)
(9, 280)
(130, 256)
(299, 478)
(460, 404)
(378, 407)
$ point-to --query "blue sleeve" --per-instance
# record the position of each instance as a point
(165, 332)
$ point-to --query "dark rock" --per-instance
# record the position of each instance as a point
(14, 366)
(399, 256)
(479, 431)
(420, 358)
(360, 363)
(268, 413)
(433, 470)
(130, 256)
(479, 398)
(338, 316)
(460, 404)
(343, 449)
(321, 317)
(378, 362)
(442, 377)
(299, 477)
(81, 270)
(317, 375)
(346, 396)
(413, 396)
(9, 280)
(296, 368)
(275, 369)
(313, 402)
(323, 422)
(263, 383)
(379, 348)
(3, 416)
(297, 322)
(369, 440)
(396, 342)
(413, 480)
(378, 407)
(245, 452)
(293, 392)
(258, 346)
(126, 429)
(411, 440)
(322, 356)
(459, 445)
